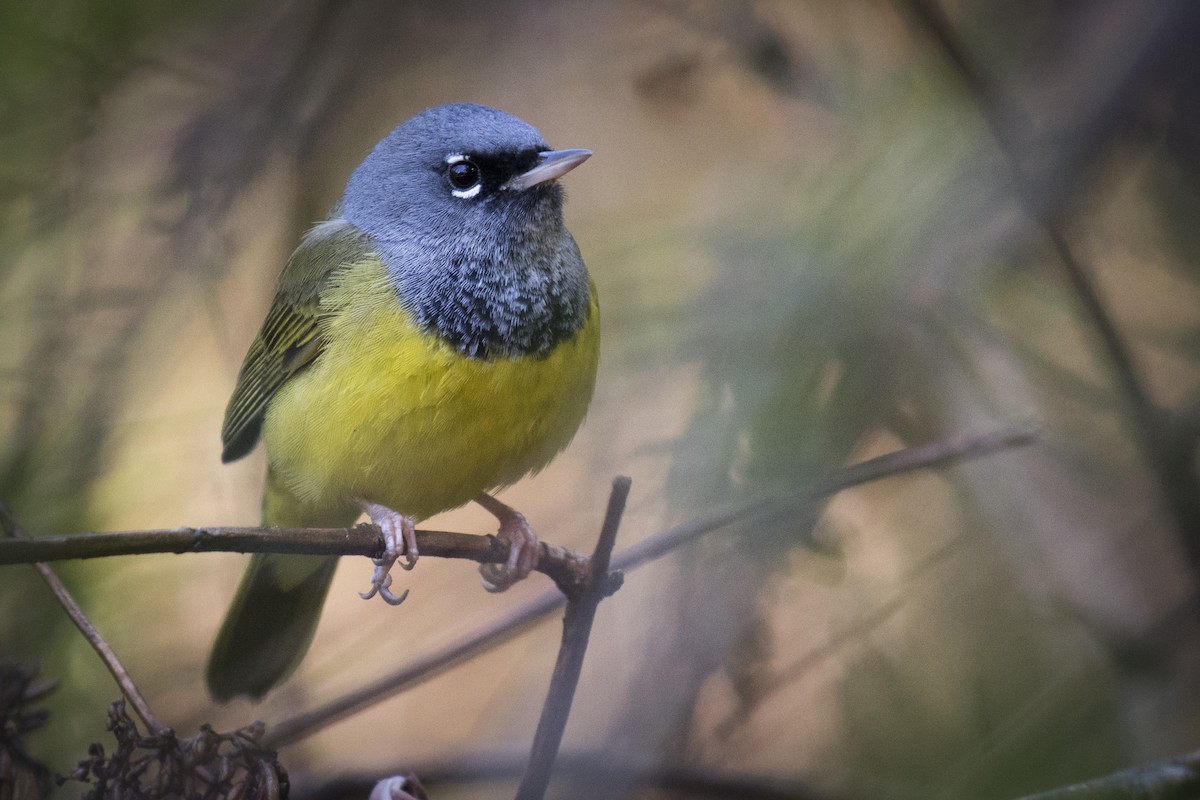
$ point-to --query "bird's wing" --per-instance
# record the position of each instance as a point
(290, 338)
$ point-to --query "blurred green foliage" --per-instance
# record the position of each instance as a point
(811, 248)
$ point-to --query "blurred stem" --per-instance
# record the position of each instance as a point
(1172, 465)
(13, 530)
(942, 453)
(1175, 779)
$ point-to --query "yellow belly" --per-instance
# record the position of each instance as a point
(391, 414)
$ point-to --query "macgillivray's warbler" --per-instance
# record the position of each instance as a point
(435, 339)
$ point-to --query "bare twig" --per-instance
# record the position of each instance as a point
(936, 454)
(577, 629)
(13, 530)
(565, 567)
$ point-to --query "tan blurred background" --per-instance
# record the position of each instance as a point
(809, 248)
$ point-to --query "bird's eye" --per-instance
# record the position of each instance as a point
(464, 176)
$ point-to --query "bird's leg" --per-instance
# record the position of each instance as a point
(522, 546)
(400, 538)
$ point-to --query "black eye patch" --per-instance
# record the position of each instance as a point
(473, 174)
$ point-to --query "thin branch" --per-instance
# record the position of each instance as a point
(577, 629)
(937, 454)
(13, 530)
(567, 568)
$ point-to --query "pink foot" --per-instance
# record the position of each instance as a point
(400, 537)
(523, 549)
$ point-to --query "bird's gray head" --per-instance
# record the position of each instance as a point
(463, 204)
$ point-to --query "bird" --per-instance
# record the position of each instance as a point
(434, 340)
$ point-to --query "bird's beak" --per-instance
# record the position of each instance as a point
(551, 164)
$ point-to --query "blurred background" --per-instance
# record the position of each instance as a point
(821, 231)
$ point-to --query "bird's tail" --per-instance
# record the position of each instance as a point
(274, 614)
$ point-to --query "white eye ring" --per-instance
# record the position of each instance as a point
(468, 192)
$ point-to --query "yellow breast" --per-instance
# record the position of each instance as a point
(392, 414)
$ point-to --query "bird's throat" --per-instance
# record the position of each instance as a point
(505, 304)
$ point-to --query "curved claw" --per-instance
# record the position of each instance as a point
(399, 535)
(391, 599)
(381, 583)
(495, 578)
(385, 593)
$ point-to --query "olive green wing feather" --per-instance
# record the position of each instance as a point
(290, 338)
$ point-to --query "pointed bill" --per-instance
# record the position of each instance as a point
(551, 164)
